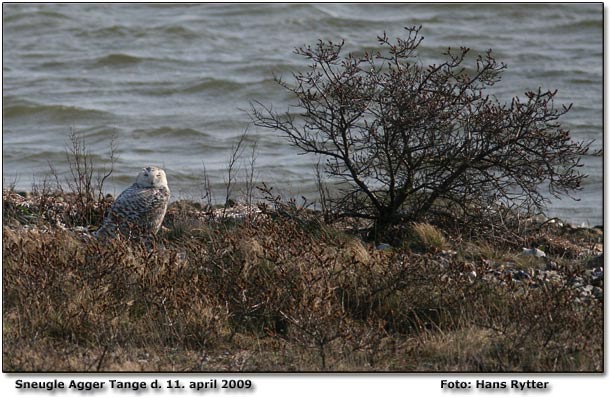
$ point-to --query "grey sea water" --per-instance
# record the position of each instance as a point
(172, 81)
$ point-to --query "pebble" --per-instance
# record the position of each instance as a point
(520, 275)
(598, 293)
(383, 247)
(588, 287)
(551, 266)
(536, 252)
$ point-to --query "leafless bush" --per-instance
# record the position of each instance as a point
(86, 180)
(233, 168)
(411, 141)
(250, 174)
(206, 188)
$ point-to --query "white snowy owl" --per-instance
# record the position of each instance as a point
(139, 210)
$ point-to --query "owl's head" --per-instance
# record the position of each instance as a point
(152, 177)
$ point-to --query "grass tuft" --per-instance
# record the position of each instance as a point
(428, 237)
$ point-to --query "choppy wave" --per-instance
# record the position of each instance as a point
(136, 32)
(212, 84)
(179, 31)
(32, 14)
(58, 113)
(118, 60)
(171, 80)
(114, 31)
(576, 26)
(170, 133)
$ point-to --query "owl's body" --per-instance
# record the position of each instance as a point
(139, 210)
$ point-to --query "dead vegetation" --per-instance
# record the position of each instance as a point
(282, 291)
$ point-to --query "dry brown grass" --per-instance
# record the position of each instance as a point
(275, 294)
(428, 237)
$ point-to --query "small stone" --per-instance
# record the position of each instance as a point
(520, 275)
(597, 277)
(577, 282)
(536, 252)
(444, 263)
(383, 247)
(551, 266)
(488, 262)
